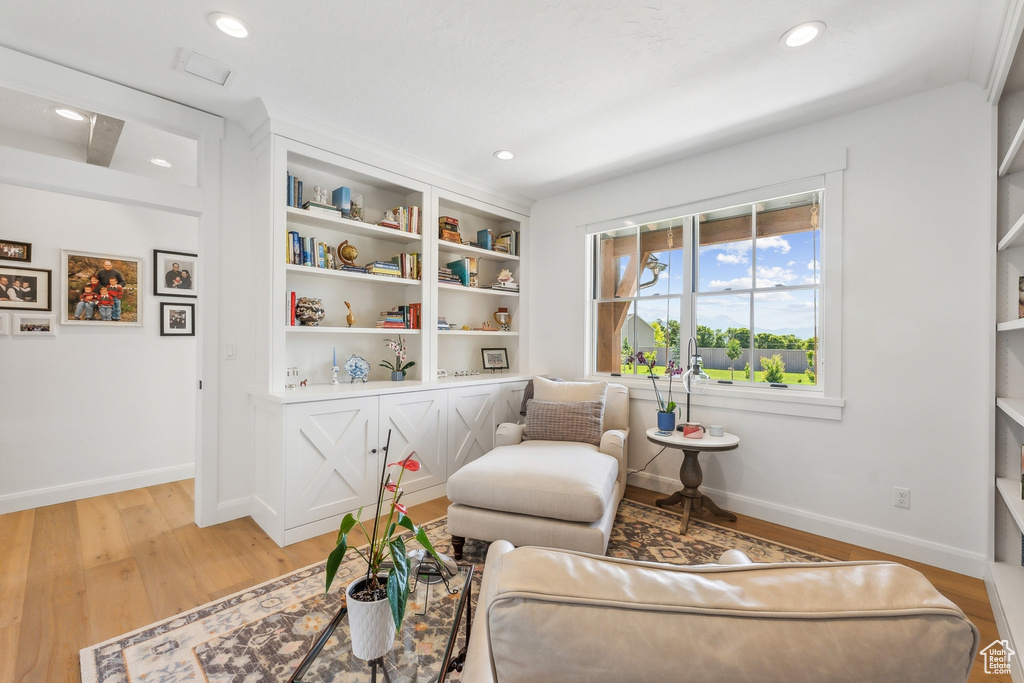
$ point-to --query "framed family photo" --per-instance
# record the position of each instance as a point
(175, 274)
(26, 289)
(495, 359)
(101, 289)
(177, 320)
(15, 251)
(35, 325)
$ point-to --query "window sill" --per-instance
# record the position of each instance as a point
(812, 404)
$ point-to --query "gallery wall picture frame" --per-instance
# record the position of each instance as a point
(177, 319)
(15, 251)
(35, 325)
(79, 269)
(494, 359)
(25, 289)
(175, 273)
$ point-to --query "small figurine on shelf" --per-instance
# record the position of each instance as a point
(320, 195)
(350, 318)
(303, 383)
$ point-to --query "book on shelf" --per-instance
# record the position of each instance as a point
(324, 209)
(507, 286)
(352, 269)
(408, 265)
(445, 274)
(464, 268)
(451, 236)
(294, 191)
(294, 248)
(404, 218)
(386, 268)
(510, 241)
(342, 200)
(401, 317)
(483, 239)
(291, 309)
(448, 220)
(442, 324)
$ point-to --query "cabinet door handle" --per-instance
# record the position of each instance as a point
(373, 450)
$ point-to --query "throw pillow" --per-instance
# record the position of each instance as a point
(564, 421)
(550, 390)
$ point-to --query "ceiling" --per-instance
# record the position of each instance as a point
(580, 90)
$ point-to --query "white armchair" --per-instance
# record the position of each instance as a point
(537, 487)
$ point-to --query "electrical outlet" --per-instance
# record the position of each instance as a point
(901, 497)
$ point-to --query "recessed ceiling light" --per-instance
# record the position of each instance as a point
(802, 34)
(69, 114)
(504, 154)
(231, 25)
(162, 163)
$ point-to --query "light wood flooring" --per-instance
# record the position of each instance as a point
(79, 573)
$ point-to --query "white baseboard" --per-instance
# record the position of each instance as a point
(52, 495)
(916, 549)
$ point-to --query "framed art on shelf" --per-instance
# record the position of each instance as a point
(175, 274)
(495, 359)
(15, 251)
(101, 289)
(34, 325)
(26, 289)
(177, 320)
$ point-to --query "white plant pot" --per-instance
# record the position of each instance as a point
(371, 625)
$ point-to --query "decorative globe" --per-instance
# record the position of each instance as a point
(349, 253)
(309, 311)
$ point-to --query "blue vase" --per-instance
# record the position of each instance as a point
(666, 421)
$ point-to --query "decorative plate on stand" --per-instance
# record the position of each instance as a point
(358, 368)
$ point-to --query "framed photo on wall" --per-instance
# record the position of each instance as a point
(495, 359)
(177, 320)
(175, 274)
(35, 325)
(15, 251)
(26, 289)
(101, 289)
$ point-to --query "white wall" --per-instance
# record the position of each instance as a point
(95, 408)
(917, 254)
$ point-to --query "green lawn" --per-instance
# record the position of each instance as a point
(787, 377)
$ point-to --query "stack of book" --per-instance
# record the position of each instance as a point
(294, 191)
(404, 218)
(385, 268)
(448, 229)
(351, 269)
(507, 286)
(442, 324)
(507, 243)
(446, 275)
(408, 265)
(325, 209)
(392, 318)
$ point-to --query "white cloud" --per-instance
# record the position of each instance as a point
(781, 244)
(732, 258)
(737, 283)
(775, 275)
(813, 265)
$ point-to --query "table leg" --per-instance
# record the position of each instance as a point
(715, 510)
(691, 476)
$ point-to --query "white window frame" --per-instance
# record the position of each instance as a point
(823, 401)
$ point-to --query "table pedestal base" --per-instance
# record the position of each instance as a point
(692, 499)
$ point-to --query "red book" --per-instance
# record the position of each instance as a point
(291, 314)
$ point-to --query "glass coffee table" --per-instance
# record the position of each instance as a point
(428, 648)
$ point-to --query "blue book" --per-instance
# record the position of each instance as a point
(461, 269)
(342, 200)
(483, 238)
(291, 190)
(295, 250)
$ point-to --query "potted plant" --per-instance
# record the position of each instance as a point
(666, 409)
(376, 601)
(399, 366)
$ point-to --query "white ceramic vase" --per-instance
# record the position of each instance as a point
(371, 625)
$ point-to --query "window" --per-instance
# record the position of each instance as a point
(744, 279)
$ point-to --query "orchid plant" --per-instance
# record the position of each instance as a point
(650, 360)
(384, 543)
(400, 364)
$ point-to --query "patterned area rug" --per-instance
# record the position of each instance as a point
(262, 634)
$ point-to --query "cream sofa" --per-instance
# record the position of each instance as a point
(546, 492)
(555, 615)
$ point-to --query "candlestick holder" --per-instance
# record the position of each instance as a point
(334, 374)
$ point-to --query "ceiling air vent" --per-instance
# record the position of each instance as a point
(204, 67)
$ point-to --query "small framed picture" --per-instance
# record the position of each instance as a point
(30, 324)
(177, 320)
(26, 289)
(5, 324)
(175, 274)
(15, 251)
(101, 289)
(495, 359)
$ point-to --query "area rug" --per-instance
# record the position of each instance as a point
(261, 634)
